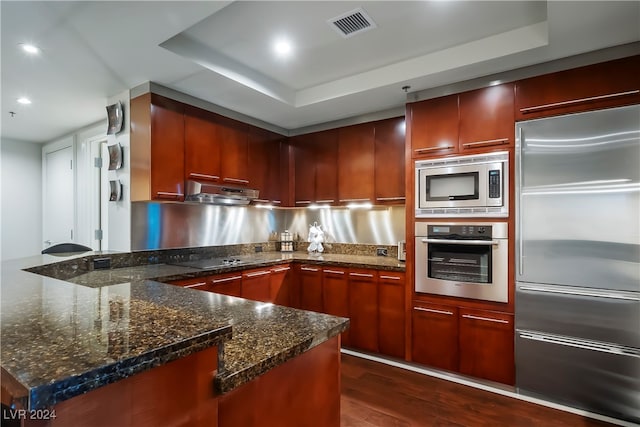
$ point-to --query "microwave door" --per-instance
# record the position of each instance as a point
(459, 186)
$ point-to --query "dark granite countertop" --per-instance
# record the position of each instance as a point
(61, 338)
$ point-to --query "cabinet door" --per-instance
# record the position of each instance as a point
(227, 284)
(604, 85)
(326, 157)
(434, 126)
(363, 309)
(202, 147)
(280, 286)
(264, 161)
(356, 163)
(435, 336)
(310, 280)
(391, 313)
(256, 285)
(234, 150)
(487, 118)
(486, 345)
(196, 282)
(335, 295)
(389, 161)
(167, 149)
(304, 170)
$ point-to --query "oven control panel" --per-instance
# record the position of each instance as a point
(468, 231)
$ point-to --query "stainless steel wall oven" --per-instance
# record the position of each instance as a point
(468, 260)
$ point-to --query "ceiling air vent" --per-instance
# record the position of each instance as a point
(351, 23)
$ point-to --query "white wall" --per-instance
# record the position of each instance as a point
(21, 189)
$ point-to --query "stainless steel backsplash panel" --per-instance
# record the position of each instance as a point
(167, 225)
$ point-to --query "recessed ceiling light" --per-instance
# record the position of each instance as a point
(282, 48)
(30, 49)
(23, 100)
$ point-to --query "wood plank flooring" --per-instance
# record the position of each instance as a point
(375, 394)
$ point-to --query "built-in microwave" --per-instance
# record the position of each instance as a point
(465, 186)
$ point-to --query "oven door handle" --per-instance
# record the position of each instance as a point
(463, 242)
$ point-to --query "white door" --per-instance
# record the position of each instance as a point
(58, 197)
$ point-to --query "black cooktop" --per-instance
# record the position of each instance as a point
(210, 264)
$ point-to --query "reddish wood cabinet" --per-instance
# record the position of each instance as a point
(486, 345)
(227, 284)
(486, 118)
(356, 163)
(434, 126)
(608, 84)
(256, 284)
(363, 309)
(264, 164)
(326, 164)
(202, 145)
(434, 336)
(280, 285)
(309, 280)
(234, 150)
(389, 161)
(335, 295)
(391, 313)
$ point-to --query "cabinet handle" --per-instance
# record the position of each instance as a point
(486, 319)
(382, 199)
(308, 269)
(226, 279)
(576, 101)
(390, 277)
(432, 310)
(236, 180)
(203, 176)
(260, 200)
(279, 270)
(325, 201)
(303, 202)
(462, 242)
(360, 274)
(195, 285)
(276, 201)
(257, 273)
(167, 195)
(333, 271)
(487, 142)
(355, 200)
(427, 149)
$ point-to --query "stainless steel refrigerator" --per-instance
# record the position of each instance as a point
(578, 260)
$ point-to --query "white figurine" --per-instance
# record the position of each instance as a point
(316, 237)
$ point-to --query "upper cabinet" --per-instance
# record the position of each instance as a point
(157, 148)
(468, 122)
(604, 85)
(389, 161)
(316, 176)
(356, 163)
(265, 159)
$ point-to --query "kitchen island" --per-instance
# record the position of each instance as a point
(154, 351)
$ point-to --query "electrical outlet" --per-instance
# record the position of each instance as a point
(101, 263)
(381, 252)
(258, 248)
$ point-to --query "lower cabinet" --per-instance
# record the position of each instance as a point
(227, 284)
(309, 280)
(335, 295)
(256, 284)
(280, 285)
(391, 313)
(473, 342)
(363, 309)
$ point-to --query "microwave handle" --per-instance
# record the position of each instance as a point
(463, 242)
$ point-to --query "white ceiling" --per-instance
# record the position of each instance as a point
(221, 52)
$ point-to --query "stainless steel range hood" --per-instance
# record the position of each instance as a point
(218, 194)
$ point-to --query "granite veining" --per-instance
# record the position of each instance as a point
(64, 336)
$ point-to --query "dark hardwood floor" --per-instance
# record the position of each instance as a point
(375, 394)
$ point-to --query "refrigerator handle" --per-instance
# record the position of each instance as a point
(577, 343)
(519, 238)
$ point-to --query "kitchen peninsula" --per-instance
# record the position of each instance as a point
(118, 347)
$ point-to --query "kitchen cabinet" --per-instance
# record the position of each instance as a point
(335, 295)
(157, 148)
(309, 280)
(363, 309)
(227, 284)
(356, 163)
(202, 147)
(256, 284)
(264, 160)
(315, 168)
(486, 118)
(434, 126)
(234, 150)
(604, 85)
(280, 285)
(391, 313)
(434, 335)
(486, 345)
(200, 283)
(389, 161)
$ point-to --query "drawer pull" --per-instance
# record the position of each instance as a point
(325, 201)
(427, 149)
(195, 285)
(303, 202)
(487, 142)
(432, 310)
(281, 269)
(203, 176)
(360, 275)
(236, 180)
(355, 200)
(577, 101)
(257, 273)
(333, 271)
(390, 277)
(386, 199)
(308, 269)
(487, 319)
(226, 279)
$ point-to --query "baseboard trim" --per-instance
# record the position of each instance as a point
(491, 387)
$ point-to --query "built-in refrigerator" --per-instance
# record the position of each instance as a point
(578, 260)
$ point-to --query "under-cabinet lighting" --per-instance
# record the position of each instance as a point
(314, 206)
(361, 205)
(264, 206)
